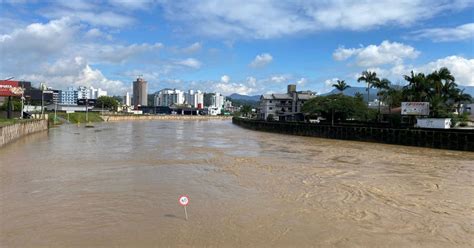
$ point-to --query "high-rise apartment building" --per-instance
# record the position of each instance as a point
(169, 97)
(195, 99)
(140, 92)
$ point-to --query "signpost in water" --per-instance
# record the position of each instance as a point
(184, 201)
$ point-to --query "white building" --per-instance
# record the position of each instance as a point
(83, 93)
(96, 93)
(127, 100)
(216, 104)
(68, 96)
(195, 99)
(169, 97)
(284, 106)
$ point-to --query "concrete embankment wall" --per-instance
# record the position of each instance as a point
(162, 117)
(433, 138)
(14, 131)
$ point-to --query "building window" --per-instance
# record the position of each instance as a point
(270, 108)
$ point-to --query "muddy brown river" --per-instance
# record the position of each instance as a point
(117, 185)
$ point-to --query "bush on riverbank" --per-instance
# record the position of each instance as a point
(77, 117)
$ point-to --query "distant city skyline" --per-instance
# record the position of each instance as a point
(245, 47)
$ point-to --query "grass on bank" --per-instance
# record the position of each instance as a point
(5, 122)
(77, 117)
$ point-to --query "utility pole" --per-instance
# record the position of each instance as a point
(55, 111)
(22, 103)
(87, 110)
(42, 103)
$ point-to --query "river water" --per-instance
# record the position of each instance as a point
(117, 185)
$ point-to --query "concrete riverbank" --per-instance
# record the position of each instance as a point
(163, 117)
(12, 132)
(462, 140)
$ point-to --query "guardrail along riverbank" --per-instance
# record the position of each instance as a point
(14, 131)
(462, 140)
(162, 117)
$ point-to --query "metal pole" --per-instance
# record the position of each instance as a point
(185, 213)
(42, 103)
(87, 110)
(55, 111)
(22, 105)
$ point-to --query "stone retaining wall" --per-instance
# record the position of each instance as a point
(162, 117)
(433, 138)
(14, 131)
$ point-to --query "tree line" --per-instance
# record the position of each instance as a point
(439, 88)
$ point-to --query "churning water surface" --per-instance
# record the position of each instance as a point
(117, 185)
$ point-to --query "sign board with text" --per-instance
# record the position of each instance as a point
(415, 108)
(10, 88)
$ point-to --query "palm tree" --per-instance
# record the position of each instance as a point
(418, 88)
(370, 78)
(381, 85)
(341, 86)
(461, 97)
(359, 96)
(437, 78)
(392, 96)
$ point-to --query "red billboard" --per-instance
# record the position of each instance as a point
(10, 88)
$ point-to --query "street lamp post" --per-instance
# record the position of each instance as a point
(42, 104)
(55, 112)
(87, 110)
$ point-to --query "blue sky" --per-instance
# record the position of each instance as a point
(229, 46)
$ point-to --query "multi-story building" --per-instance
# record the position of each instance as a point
(68, 96)
(195, 99)
(83, 93)
(284, 106)
(96, 93)
(169, 97)
(127, 101)
(140, 92)
(216, 103)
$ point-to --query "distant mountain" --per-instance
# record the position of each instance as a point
(351, 91)
(236, 96)
(468, 89)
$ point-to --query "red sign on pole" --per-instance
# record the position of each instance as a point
(183, 200)
(10, 88)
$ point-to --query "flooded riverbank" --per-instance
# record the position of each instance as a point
(117, 185)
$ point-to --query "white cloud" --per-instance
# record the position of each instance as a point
(195, 47)
(96, 18)
(227, 89)
(461, 68)
(302, 82)
(269, 19)
(261, 60)
(225, 79)
(132, 4)
(74, 72)
(327, 86)
(119, 53)
(251, 81)
(189, 62)
(278, 79)
(385, 53)
(38, 40)
(461, 32)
